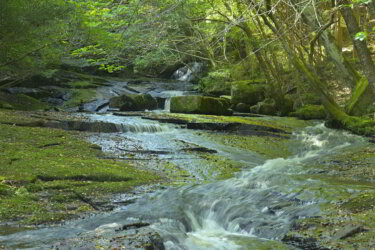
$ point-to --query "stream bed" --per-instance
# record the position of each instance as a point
(252, 210)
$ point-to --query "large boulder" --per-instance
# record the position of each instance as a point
(132, 102)
(242, 107)
(199, 105)
(247, 92)
(267, 107)
(285, 105)
(309, 112)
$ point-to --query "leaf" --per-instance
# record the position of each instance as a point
(361, 36)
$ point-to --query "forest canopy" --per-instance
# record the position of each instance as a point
(308, 45)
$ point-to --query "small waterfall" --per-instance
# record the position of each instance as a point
(131, 124)
(167, 105)
(187, 73)
(168, 96)
(141, 128)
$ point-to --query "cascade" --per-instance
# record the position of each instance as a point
(253, 210)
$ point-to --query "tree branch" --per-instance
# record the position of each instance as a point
(321, 30)
(25, 55)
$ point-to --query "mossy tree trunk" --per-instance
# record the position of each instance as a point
(360, 46)
(364, 94)
(337, 117)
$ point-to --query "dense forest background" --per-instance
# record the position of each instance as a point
(317, 52)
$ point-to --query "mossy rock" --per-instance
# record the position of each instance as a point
(247, 92)
(21, 102)
(199, 105)
(145, 101)
(242, 107)
(5, 105)
(267, 107)
(226, 101)
(310, 112)
(214, 88)
(285, 106)
(131, 102)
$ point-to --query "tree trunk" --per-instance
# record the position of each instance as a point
(347, 74)
(360, 46)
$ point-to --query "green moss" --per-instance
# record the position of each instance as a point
(347, 189)
(270, 147)
(361, 98)
(247, 92)
(309, 112)
(20, 102)
(80, 95)
(46, 172)
(198, 105)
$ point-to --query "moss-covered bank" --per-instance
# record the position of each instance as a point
(49, 175)
(347, 187)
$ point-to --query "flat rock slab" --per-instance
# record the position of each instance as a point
(348, 231)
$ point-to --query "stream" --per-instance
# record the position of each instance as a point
(252, 210)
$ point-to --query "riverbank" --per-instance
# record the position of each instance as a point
(51, 175)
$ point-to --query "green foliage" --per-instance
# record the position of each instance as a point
(361, 36)
(29, 38)
(216, 83)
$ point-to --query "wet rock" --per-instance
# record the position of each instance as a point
(95, 106)
(132, 102)
(101, 127)
(145, 101)
(188, 72)
(348, 231)
(200, 150)
(213, 126)
(161, 102)
(198, 105)
(302, 242)
(114, 236)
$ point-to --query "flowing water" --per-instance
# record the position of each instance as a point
(250, 211)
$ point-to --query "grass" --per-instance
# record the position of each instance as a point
(49, 175)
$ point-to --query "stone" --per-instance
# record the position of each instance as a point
(198, 105)
(5, 105)
(242, 107)
(247, 92)
(144, 101)
(348, 231)
(309, 112)
(285, 106)
(267, 107)
(132, 102)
